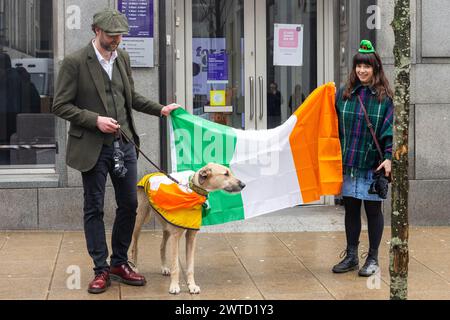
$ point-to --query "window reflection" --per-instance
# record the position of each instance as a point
(288, 86)
(27, 129)
(218, 60)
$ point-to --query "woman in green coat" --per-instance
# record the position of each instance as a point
(360, 156)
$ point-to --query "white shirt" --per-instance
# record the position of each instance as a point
(107, 65)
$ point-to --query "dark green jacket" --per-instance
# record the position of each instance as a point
(359, 152)
(80, 98)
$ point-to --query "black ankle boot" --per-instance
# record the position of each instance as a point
(371, 266)
(350, 262)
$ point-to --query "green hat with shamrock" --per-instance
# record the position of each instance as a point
(366, 47)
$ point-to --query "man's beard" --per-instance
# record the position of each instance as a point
(109, 47)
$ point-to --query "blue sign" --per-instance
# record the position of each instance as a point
(217, 68)
(140, 17)
(139, 41)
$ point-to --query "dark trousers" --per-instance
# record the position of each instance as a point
(94, 182)
(375, 221)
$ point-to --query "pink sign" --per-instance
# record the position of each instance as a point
(288, 45)
(288, 38)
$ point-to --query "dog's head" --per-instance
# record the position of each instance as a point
(217, 177)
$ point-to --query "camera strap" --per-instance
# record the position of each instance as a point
(120, 133)
(369, 124)
(117, 140)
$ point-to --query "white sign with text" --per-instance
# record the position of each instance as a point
(288, 45)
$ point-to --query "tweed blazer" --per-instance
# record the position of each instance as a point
(80, 97)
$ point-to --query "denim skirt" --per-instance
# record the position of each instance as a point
(358, 188)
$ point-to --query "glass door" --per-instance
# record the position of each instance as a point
(219, 84)
(234, 69)
(249, 64)
(286, 59)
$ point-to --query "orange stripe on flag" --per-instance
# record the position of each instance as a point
(170, 197)
(315, 145)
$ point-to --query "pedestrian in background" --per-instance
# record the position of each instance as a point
(274, 101)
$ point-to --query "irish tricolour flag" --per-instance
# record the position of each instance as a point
(293, 164)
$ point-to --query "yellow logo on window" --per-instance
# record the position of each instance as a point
(217, 97)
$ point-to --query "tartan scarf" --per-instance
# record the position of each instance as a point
(359, 152)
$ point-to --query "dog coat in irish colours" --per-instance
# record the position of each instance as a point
(177, 204)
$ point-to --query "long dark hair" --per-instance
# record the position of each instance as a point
(379, 81)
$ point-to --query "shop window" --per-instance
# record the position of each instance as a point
(27, 128)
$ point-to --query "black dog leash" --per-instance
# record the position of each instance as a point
(147, 158)
(191, 185)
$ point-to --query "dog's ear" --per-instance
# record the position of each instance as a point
(203, 175)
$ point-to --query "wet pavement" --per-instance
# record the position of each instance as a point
(245, 260)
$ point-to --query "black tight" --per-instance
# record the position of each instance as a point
(375, 222)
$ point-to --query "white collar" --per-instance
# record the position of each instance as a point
(100, 57)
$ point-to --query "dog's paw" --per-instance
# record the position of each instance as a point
(194, 289)
(165, 271)
(174, 289)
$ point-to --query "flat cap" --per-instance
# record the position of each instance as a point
(112, 22)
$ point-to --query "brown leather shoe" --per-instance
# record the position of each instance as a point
(125, 274)
(100, 283)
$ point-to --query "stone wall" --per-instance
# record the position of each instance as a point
(430, 107)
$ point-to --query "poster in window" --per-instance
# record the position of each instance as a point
(139, 42)
(217, 68)
(288, 45)
(201, 49)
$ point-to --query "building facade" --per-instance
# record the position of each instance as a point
(254, 86)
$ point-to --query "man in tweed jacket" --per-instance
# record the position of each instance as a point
(95, 93)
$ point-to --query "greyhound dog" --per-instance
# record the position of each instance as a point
(209, 178)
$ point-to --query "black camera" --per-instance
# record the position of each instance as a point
(119, 169)
(380, 184)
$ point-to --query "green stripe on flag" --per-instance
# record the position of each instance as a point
(197, 143)
(223, 207)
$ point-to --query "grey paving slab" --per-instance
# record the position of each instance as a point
(113, 293)
(300, 296)
(290, 284)
(24, 253)
(33, 239)
(234, 266)
(300, 218)
(19, 269)
(3, 238)
(24, 288)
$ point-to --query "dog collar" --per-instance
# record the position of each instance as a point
(196, 188)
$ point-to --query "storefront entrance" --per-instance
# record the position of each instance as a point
(248, 64)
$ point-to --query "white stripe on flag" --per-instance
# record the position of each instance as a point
(263, 161)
